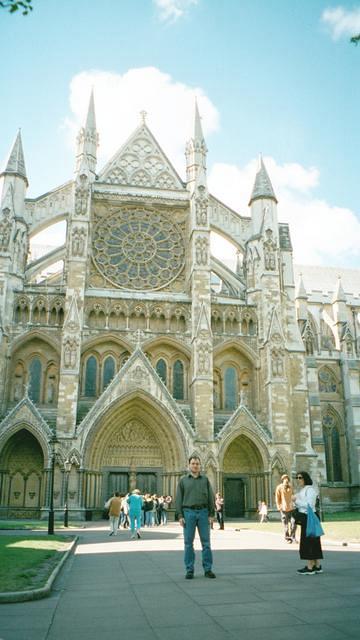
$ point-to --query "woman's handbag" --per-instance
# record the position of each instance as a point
(299, 517)
(313, 526)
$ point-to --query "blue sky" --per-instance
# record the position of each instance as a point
(276, 77)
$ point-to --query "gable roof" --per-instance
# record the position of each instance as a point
(141, 162)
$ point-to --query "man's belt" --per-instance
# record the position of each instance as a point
(197, 506)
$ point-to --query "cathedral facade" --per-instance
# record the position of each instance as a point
(144, 348)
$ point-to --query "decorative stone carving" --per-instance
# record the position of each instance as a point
(70, 353)
(139, 376)
(82, 195)
(201, 207)
(203, 353)
(277, 363)
(201, 251)
(78, 241)
(142, 163)
(138, 249)
(133, 445)
(5, 229)
(269, 251)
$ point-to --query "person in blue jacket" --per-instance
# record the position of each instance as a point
(135, 502)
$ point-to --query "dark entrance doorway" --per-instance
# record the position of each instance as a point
(118, 482)
(146, 482)
(234, 496)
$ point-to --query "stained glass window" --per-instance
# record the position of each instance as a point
(161, 370)
(230, 388)
(178, 380)
(35, 380)
(90, 377)
(108, 371)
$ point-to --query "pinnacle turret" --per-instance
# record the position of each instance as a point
(16, 163)
(300, 291)
(87, 140)
(262, 185)
(196, 150)
(339, 294)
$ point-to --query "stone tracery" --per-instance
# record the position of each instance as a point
(138, 249)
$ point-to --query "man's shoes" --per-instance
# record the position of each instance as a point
(306, 572)
(189, 575)
(209, 574)
(288, 540)
(111, 534)
(133, 536)
(318, 569)
(138, 535)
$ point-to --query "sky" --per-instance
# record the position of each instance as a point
(272, 77)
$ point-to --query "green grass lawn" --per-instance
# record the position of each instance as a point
(40, 525)
(342, 527)
(26, 562)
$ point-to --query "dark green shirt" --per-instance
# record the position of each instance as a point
(194, 492)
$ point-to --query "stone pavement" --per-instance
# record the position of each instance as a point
(114, 587)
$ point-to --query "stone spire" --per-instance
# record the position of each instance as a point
(196, 151)
(262, 186)
(16, 164)
(301, 300)
(300, 291)
(87, 140)
(339, 303)
(339, 295)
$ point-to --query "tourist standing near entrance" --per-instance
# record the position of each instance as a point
(194, 507)
(310, 547)
(135, 502)
(114, 506)
(284, 504)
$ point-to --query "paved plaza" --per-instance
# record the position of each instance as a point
(114, 587)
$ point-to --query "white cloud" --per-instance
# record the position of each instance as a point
(119, 98)
(342, 22)
(321, 233)
(172, 10)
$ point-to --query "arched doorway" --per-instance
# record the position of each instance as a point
(244, 478)
(21, 476)
(134, 444)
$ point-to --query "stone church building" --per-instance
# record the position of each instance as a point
(144, 348)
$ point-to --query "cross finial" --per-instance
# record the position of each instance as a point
(143, 116)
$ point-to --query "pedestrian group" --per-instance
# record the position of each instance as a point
(196, 507)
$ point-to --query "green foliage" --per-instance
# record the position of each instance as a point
(25, 6)
(355, 39)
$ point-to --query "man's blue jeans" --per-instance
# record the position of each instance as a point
(197, 518)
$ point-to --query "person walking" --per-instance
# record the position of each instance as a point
(219, 508)
(135, 502)
(310, 547)
(263, 513)
(284, 504)
(114, 506)
(194, 507)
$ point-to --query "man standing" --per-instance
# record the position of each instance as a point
(114, 505)
(194, 507)
(284, 503)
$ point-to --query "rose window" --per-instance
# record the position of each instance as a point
(138, 249)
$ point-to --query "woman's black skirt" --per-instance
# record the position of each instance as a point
(310, 548)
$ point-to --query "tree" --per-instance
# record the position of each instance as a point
(24, 5)
(355, 39)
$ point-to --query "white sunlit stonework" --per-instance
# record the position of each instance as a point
(145, 348)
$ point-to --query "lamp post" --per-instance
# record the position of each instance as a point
(53, 443)
(67, 465)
